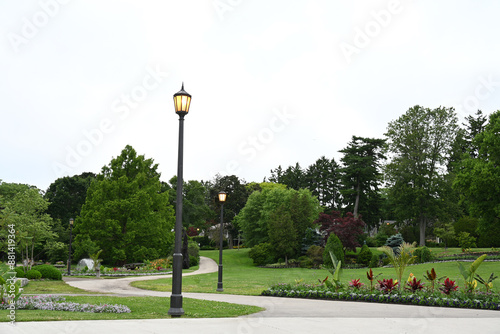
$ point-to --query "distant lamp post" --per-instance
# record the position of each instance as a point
(71, 220)
(182, 101)
(222, 199)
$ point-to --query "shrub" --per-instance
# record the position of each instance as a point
(306, 262)
(49, 272)
(193, 249)
(423, 255)
(333, 245)
(262, 254)
(373, 262)
(394, 241)
(33, 274)
(465, 240)
(315, 254)
(365, 255)
(204, 241)
(380, 239)
(20, 272)
(372, 242)
(193, 261)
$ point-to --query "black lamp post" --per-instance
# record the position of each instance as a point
(182, 101)
(222, 199)
(70, 237)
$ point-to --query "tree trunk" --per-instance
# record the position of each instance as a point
(423, 224)
(356, 202)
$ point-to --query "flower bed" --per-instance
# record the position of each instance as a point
(57, 303)
(477, 300)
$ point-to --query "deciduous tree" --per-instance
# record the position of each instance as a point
(125, 214)
(420, 144)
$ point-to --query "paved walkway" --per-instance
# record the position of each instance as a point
(282, 315)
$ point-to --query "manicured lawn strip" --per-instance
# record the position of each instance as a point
(141, 307)
(240, 276)
(51, 287)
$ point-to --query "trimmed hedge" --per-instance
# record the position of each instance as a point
(33, 274)
(49, 272)
(20, 272)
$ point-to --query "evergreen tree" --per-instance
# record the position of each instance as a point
(323, 179)
(361, 177)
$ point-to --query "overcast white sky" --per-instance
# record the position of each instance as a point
(273, 82)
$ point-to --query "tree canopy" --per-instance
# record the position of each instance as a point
(125, 214)
(361, 177)
(478, 177)
(420, 143)
(255, 217)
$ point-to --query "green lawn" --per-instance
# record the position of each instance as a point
(141, 307)
(51, 287)
(240, 276)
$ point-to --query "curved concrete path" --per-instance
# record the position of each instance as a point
(282, 315)
(122, 286)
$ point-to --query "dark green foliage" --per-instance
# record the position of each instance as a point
(262, 254)
(372, 242)
(466, 224)
(204, 242)
(491, 237)
(306, 262)
(423, 255)
(323, 179)
(20, 272)
(394, 241)
(335, 246)
(315, 254)
(193, 261)
(361, 177)
(365, 255)
(311, 238)
(380, 239)
(373, 261)
(49, 272)
(33, 274)
(193, 249)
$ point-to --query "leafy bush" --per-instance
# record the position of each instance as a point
(20, 272)
(33, 274)
(315, 254)
(380, 239)
(193, 261)
(373, 262)
(193, 249)
(262, 254)
(365, 255)
(204, 242)
(372, 242)
(423, 255)
(306, 262)
(49, 272)
(333, 245)
(466, 241)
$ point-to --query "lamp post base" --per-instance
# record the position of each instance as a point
(219, 283)
(175, 301)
